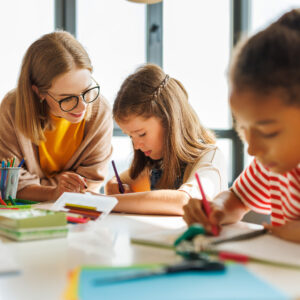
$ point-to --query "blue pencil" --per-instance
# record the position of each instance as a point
(3, 175)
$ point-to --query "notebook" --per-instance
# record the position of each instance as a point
(32, 224)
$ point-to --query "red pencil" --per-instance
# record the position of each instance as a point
(206, 205)
(2, 201)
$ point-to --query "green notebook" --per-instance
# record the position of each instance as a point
(34, 234)
(31, 218)
(32, 224)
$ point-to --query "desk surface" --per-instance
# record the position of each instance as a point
(45, 264)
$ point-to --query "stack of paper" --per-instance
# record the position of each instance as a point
(32, 224)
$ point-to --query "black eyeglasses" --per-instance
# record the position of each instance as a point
(71, 102)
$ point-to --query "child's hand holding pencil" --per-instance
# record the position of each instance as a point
(119, 187)
(194, 213)
(204, 211)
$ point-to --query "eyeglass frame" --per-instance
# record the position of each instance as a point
(77, 97)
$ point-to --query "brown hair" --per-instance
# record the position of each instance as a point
(150, 92)
(50, 56)
(269, 61)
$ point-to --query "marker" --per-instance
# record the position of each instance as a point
(2, 179)
(121, 188)
(21, 163)
(206, 205)
(13, 162)
(11, 200)
(77, 220)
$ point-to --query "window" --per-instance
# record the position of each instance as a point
(196, 51)
(263, 13)
(21, 23)
(113, 33)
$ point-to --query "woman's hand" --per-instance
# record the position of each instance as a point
(290, 231)
(69, 182)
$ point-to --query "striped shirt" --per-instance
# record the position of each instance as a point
(267, 192)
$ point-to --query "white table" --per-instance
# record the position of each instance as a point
(45, 264)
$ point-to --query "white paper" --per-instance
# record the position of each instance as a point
(8, 264)
(101, 203)
(266, 247)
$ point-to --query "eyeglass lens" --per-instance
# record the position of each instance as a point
(88, 97)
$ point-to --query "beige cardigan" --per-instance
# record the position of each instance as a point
(89, 160)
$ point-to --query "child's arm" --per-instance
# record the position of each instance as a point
(289, 231)
(112, 186)
(226, 208)
(162, 202)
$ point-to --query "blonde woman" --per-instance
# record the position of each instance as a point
(57, 121)
(170, 146)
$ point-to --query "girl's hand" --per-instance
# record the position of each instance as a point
(290, 231)
(194, 213)
(112, 187)
(69, 182)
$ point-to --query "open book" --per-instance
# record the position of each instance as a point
(266, 248)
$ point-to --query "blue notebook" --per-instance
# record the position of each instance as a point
(235, 283)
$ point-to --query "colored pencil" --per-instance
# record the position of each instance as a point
(206, 205)
(121, 188)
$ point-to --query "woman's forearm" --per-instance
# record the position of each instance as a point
(163, 202)
(37, 193)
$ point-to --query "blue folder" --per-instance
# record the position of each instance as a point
(235, 283)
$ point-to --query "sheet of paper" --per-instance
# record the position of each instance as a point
(8, 265)
(267, 248)
(234, 283)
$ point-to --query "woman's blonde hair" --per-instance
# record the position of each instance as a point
(50, 56)
(150, 92)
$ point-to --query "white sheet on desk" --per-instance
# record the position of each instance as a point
(265, 247)
(91, 239)
(8, 263)
(102, 203)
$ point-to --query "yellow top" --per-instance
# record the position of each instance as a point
(60, 145)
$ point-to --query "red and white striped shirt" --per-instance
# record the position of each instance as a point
(267, 192)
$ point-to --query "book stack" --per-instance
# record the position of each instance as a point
(32, 224)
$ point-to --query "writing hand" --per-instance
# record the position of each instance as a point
(194, 213)
(112, 188)
(69, 182)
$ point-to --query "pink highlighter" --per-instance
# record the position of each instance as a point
(206, 206)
